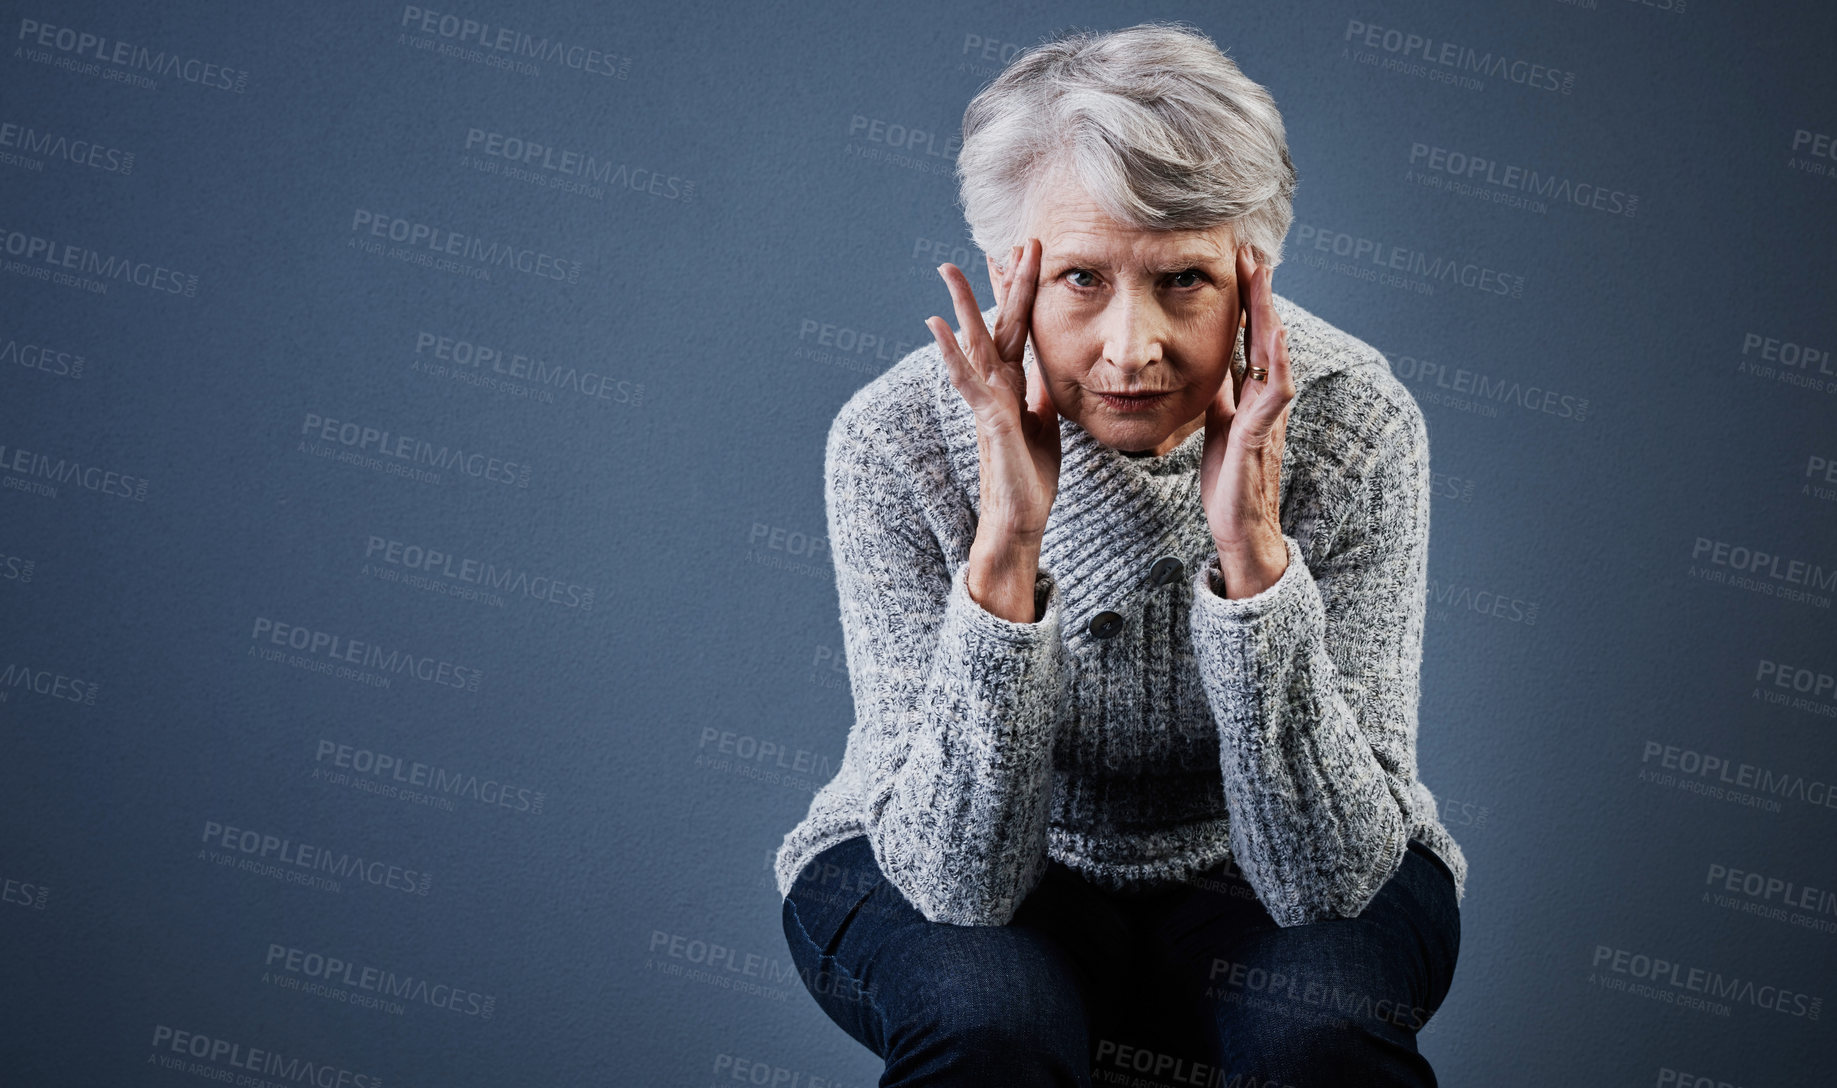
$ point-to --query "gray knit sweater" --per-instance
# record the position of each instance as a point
(1278, 730)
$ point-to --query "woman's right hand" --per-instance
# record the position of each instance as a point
(1017, 426)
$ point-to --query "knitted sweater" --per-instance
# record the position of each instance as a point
(1145, 727)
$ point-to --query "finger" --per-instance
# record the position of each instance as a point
(1027, 282)
(1268, 339)
(1257, 317)
(1265, 418)
(1281, 375)
(962, 375)
(1016, 316)
(1000, 282)
(1280, 382)
(1277, 392)
(1039, 401)
(1246, 288)
(969, 319)
(1246, 272)
(1264, 314)
(1002, 291)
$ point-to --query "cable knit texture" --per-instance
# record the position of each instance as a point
(1278, 731)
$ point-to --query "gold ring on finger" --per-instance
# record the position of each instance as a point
(1257, 373)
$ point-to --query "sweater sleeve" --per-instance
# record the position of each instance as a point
(1314, 685)
(955, 707)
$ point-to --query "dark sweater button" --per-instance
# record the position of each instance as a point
(1106, 625)
(1166, 569)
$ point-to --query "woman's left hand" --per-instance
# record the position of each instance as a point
(1240, 473)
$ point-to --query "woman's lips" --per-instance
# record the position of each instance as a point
(1140, 402)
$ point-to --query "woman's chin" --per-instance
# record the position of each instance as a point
(1132, 435)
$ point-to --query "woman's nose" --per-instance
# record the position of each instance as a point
(1133, 333)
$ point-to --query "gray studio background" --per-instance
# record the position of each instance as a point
(288, 709)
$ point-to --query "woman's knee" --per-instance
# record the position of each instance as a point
(1319, 1023)
(1307, 1048)
(999, 992)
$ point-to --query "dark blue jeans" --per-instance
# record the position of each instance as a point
(1193, 986)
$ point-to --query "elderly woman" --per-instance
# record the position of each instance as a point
(1132, 572)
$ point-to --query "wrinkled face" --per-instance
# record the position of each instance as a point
(1120, 311)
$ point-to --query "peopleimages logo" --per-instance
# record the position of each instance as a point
(440, 781)
(513, 43)
(1772, 890)
(901, 145)
(171, 1046)
(24, 470)
(1808, 147)
(413, 237)
(1749, 564)
(132, 58)
(485, 574)
(1697, 769)
(367, 655)
(41, 357)
(1516, 178)
(1815, 689)
(15, 676)
(507, 579)
(26, 140)
(1686, 981)
(1367, 258)
(531, 370)
(1478, 391)
(364, 439)
(1786, 353)
(257, 846)
(333, 971)
(71, 265)
(24, 894)
(1407, 46)
(555, 166)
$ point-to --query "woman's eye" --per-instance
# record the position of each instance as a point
(1192, 276)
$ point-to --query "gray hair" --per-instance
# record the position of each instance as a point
(1160, 128)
